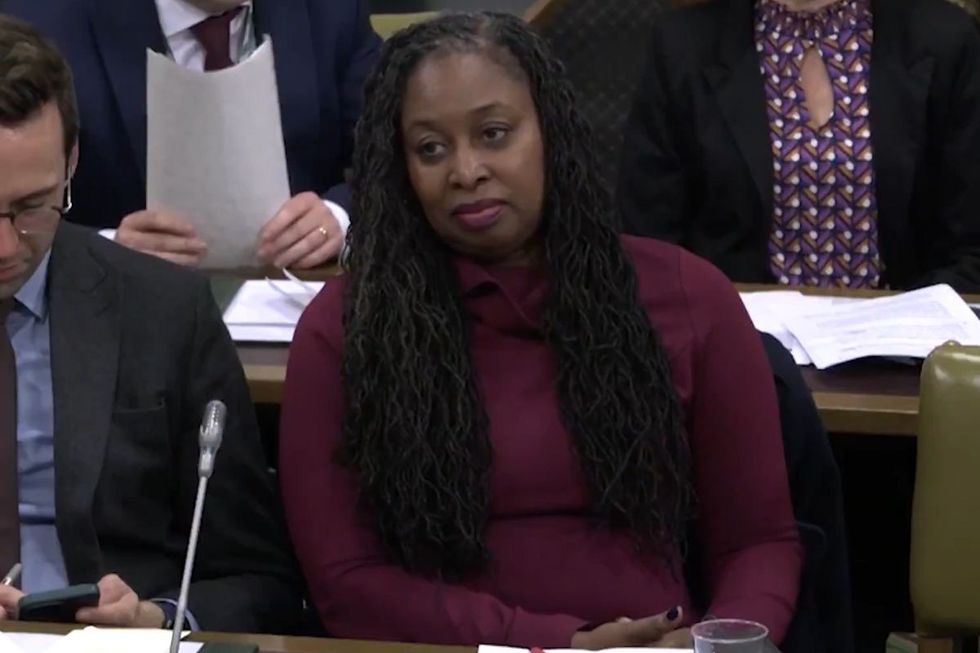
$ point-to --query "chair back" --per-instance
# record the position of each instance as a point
(603, 45)
(945, 550)
(387, 24)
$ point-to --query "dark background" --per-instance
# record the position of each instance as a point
(407, 6)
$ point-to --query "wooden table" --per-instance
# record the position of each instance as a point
(865, 397)
(269, 643)
(869, 397)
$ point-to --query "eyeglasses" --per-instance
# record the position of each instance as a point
(39, 219)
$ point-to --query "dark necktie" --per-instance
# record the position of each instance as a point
(9, 516)
(214, 35)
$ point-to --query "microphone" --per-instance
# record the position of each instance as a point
(212, 428)
(209, 440)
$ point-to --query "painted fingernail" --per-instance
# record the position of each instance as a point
(673, 613)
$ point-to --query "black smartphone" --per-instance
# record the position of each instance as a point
(57, 606)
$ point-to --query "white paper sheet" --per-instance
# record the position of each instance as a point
(908, 325)
(766, 309)
(17, 643)
(215, 151)
(267, 311)
(94, 640)
(487, 648)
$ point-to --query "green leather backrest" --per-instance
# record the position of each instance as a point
(387, 24)
(945, 560)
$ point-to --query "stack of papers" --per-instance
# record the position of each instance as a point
(94, 640)
(826, 331)
(267, 311)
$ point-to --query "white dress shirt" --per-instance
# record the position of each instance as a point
(178, 16)
(176, 19)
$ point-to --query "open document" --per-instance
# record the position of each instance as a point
(828, 331)
(268, 310)
(766, 309)
(94, 640)
(215, 151)
(769, 308)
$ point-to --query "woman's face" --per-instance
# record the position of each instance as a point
(474, 154)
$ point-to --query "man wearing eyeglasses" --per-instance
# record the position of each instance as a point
(107, 359)
(323, 52)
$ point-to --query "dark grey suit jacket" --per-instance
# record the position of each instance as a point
(138, 347)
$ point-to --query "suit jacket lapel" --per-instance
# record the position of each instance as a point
(899, 90)
(737, 83)
(123, 31)
(286, 22)
(85, 330)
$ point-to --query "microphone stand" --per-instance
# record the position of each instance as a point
(185, 582)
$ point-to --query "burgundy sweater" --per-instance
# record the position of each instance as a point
(552, 570)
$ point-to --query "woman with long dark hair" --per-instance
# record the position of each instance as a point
(506, 424)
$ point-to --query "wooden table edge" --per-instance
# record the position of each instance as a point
(265, 382)
(841, 412)
(870, 414)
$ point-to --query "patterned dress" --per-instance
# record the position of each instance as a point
(825, 217)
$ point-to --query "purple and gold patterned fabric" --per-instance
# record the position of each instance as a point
(824, 230)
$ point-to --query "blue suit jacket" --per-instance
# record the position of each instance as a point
(324, 51)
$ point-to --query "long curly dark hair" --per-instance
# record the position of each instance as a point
(415, 428)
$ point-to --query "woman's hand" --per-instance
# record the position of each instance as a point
(680, 638)
(631, 632)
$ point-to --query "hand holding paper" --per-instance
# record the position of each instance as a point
(303, 234)
(162, 233)
(215, 152)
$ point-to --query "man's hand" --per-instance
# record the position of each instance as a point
(303, 234)
(162, 234)
(627, 633)
(119, 606)
(9, 596)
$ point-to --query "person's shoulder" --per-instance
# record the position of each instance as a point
(334, 17)
(334, 7)
(676, 275)
(138, 272)
(47, 14)
(696, 27)
(659, 259)
(694, 18)
(938, 26)
(946, 14)
(652, 257)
